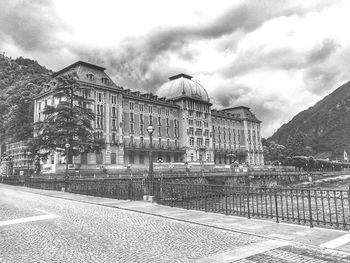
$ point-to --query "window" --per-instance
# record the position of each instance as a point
(114, 99)
(159, 121)
(83, 158)
(131, 105)
(199, 141)
(167, 121)
(113, 125)
(114, 112)
(150, 119)
(113, 158)
(168, 142)
(191, 141)
(175, 143)
(160, 141)
(141, 118)
(207, 142)
(150, 109)
(167, 112)
(175, 123)
(141, 140)
(190, 122)
(167, 132)
(159, 111)
(99, 97)
(175, 132)
(141, 129)
(99, 158)
(131, 128)
(141, 107)
(131, 158)
(131, 117)
(159, 131)
(190, 131)
(113, 137)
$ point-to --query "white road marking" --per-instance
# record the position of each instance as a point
(244, 251)
(29, 219)
(337, 242)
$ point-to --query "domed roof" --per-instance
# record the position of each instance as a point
(183, 85)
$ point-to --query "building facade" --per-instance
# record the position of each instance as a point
(16, 159)
(186, 128)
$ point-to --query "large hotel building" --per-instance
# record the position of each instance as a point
(186, 127)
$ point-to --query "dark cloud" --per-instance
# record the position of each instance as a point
(284, 58)
(138, 57)
(30, 25)
(323, 51)
(322, 78)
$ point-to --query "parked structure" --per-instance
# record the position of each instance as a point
(186, 128)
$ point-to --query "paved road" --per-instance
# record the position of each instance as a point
(36, 228)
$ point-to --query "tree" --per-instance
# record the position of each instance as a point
(296, 145)
(68, 122)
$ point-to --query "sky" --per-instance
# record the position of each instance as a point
(277, 57)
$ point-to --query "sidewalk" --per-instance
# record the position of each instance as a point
(302, 235)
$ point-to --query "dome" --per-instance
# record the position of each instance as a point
(183, 85)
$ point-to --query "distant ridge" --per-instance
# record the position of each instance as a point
(326, 125)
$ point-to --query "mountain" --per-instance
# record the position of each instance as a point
(20, 80)
(325, 126)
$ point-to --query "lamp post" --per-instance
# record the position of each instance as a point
(150, 130)
(66, 175)
(27, 176)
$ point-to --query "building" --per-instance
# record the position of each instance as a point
(16, 159)
(186, 128)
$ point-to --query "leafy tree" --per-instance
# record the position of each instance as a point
(67, 122)
(296, 145)
(274, 152)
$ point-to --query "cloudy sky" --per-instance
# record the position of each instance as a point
(277, 57)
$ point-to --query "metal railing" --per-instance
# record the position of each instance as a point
(313, 207)
(120, 189)
(328, 208)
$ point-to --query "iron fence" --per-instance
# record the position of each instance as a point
(328, 208)
(120, 189)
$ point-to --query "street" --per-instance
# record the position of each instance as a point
(38, 228)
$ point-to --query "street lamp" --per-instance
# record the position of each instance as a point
(66, 176)
(27, 177)
(150, 130)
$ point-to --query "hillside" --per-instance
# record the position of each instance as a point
(20, 80)
(326, 125)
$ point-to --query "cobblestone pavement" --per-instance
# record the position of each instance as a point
(292, 254)
(91, 233)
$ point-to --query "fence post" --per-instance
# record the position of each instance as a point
(349, 203)
(310, 210)
(130, 189)
(172, 195)
(276, 205)
(187, 197)
(248, 202)
(205, 198)
(226, 212)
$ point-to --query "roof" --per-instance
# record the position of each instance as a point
(238, 107)
(183, 75)
(78, 63)
(181, 86)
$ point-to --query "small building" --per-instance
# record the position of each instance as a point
(15, 160)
